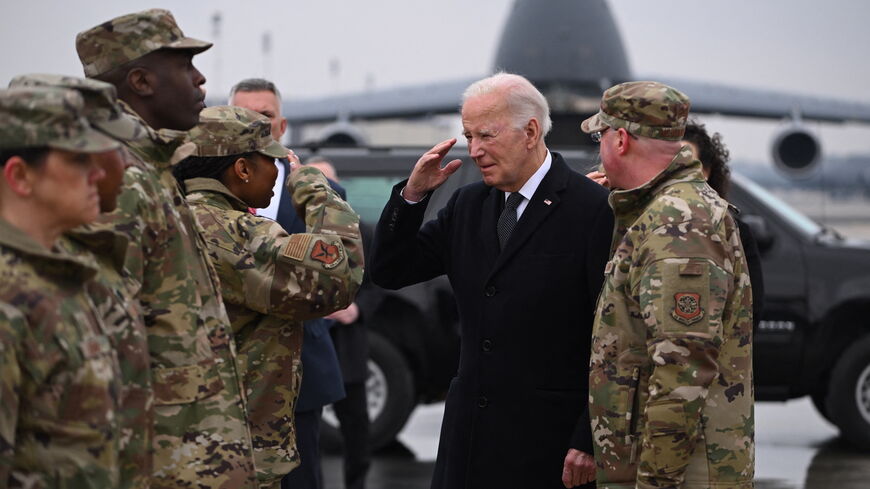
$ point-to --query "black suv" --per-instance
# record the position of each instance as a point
(813, 339)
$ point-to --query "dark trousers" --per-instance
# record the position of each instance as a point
(308, 475)
(353, 417)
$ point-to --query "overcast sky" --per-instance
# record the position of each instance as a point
(328, 46)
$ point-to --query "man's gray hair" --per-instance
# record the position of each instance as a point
(255, 85)
(524, 101)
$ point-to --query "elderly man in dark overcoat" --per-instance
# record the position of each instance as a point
(524, 251)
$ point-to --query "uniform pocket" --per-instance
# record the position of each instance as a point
(186, 384)
(667, 447)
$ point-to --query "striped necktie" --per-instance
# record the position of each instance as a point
(508, 218)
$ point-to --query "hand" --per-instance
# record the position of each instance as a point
(293, 160)
(579, 468)
(599, 177)
(346, 316)
(428, 174)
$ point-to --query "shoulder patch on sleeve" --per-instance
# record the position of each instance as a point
(687, 307)
(327, 253)
(296, 246)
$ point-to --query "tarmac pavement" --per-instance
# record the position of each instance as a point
(795, 449)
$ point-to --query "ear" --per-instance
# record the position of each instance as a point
(533, 132)
(283, 126)
(623, 141)
(242, 169)
(17, 174)
(141, 81)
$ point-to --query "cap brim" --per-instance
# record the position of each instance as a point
(275, 150)
(92, 141)
(125, 128)
(190, 43)
(593, 124)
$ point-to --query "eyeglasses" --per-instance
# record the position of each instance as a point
(597, 135)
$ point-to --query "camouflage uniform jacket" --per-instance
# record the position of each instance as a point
(201, 434)
(271, 281)
(123, 318)
(670, 379)
(59, 373)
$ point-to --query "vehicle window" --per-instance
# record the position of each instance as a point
(803, 223)
(369, 194)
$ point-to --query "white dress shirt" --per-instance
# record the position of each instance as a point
(528, 189)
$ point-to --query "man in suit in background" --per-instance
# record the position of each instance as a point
(524, 251)
(321, 374)
(351, 344)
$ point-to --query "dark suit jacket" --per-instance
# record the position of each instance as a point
(519, 399)
(321, 375)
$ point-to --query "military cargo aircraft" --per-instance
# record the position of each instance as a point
(571, 50)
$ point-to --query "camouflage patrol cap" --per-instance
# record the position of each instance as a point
(226, 130)
(643, 108)
(32, 117)
(128, 37)
(101, 103)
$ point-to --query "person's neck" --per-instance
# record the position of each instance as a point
(645, 167)
(537, 156)
(141, 108)
(42, 229)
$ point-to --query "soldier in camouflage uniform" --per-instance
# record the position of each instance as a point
(201, 434)
(59, 373)
(270, 280)
(107, 249)
(670, 379)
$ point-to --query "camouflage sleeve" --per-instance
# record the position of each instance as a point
(682, 300)
(305, 275)
(10, 386)
(140, 218)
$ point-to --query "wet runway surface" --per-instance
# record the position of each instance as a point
(795, 449)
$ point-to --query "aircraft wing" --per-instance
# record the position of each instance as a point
(409, 101)
(713, 98)
(445, 97)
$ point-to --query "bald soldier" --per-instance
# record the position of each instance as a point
(201, 435)
(670, 380)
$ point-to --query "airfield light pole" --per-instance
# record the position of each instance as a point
(216, 19)
(266, 48)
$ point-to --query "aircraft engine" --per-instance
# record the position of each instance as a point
(796, 151)
(342, 134)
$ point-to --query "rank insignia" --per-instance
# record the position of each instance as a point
(328, 254)
(687, 308)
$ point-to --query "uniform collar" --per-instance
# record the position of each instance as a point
(681, 169)
(215, 192)
(54, 263)
(103, 241)
(161, 147)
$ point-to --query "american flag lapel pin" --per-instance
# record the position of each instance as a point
(548, 201)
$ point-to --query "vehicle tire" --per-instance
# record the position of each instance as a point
(390, 393)
(848, 400)
(820, 400)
